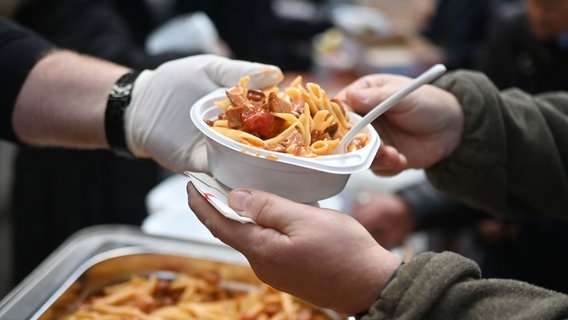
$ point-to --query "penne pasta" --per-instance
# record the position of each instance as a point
(299, 120)
(191, 297)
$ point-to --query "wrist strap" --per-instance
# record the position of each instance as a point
(118, 100)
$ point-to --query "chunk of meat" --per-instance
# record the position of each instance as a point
(237, 95)
(300, 149)
(332, 129)
(276, 104)
(297, 106)
(318, 135)
(294, 138)
(234, 117)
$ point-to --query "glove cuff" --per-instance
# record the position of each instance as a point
(118, 100)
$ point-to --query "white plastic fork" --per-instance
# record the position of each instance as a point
(426, 77)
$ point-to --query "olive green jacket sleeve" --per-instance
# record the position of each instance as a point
(447, 286)
(512, 161)
(513, 157)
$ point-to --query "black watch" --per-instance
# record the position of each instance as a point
(118, 100)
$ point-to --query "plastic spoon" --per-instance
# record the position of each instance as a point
(429, 75)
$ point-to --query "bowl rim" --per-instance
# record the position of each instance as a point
(349, 163)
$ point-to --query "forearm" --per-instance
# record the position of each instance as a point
(63, 101)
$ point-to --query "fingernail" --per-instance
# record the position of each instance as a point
(239, 199)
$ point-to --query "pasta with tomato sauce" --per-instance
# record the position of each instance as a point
(299, 120)
(199, 297)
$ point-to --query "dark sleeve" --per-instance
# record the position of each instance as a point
(444, 286)
(434, 209)
(96, 27)
(20, 49)
(512, 159)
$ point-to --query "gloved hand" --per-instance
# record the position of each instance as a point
(157, 121)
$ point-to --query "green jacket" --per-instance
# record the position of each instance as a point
(512, 161)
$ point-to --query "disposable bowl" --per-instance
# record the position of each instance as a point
(301, 179)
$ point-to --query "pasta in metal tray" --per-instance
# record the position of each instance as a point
(192, 297)
(299, 120)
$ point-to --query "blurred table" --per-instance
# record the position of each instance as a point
(352, 56)
(377, 36)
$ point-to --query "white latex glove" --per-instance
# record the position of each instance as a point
(157, 122)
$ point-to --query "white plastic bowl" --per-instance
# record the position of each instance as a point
(301, 179)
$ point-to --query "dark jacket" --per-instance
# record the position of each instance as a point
(108, 29)
(20, 49)
(515, 58)
(512, 58)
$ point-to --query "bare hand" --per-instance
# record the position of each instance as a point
(319, 255)
(422, 129)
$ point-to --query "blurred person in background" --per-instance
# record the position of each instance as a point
(64, 190)
(278, 32)
(529, 46)
(459, 27)
(527, 49)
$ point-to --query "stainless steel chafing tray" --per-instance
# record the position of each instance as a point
(94, 256)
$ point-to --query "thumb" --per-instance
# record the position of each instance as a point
(266, 209)
(226, 72)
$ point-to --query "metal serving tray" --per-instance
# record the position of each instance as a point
(97, 254)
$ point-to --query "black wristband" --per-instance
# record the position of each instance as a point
(118, 100)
